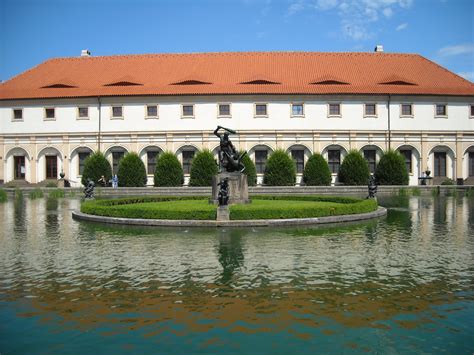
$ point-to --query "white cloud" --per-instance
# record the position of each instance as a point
(402, 26)
(459, 49)
(468, 75)
(295, 7)
(326, 4)
(388, 12)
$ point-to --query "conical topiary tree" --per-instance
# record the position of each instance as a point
(354, 169)
(316, 171)
(168, 171)
(280, 170)
(94, 167)
(250, 170)
(391, 169)
(131, 171)
(203, 168)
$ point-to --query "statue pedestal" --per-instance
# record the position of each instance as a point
(238, 187)
(223, 213)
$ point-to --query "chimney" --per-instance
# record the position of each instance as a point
(85, 53)
(378, 48)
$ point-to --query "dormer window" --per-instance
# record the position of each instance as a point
(260, 82)
(191, 82)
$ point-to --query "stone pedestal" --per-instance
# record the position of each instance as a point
(223, 213)
(238, 187)
(61, 183)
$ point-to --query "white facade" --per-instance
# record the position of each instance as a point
(441, 144)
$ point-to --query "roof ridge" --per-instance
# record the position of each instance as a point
(446, 70)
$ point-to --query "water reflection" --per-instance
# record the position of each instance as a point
(407, 276)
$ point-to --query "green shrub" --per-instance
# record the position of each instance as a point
(131, 171)
(94, 167)
(391, 169)
(316, 172)
(36, 193)
(52, 184)
(280, 170)
(56, 193)
(203, 168)
(3, 196)
(354, 170)
(289, 207)
(18, 194)
(250, 170)
(416, 191)
(168, 171)
(448, 181)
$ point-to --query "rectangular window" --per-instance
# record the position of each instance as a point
(83, 112)
(224, 110)
(49, 113)
(441, 110)
(297, 110)
(440, 164)
(370, 110)
(187, 111)
(18, 114)
(471, 164)
(188, 156)
(261, 160)
(406, 153)
(82, 158)
(471, 109)
(51, 167)
(151, 158)
(152, 111)
(334, 160)
(298, 157)
(117, 112)
(116, 157)
(407, 110)
(334, 109)
(19, 167)
(261, 110)
(370, 156)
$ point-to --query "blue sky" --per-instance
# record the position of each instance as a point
(32, 31)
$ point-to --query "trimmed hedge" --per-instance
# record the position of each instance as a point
(354, 169)
(94, 167)
(203, 168)
(391, 169)
(269, 209)
(195, 207)
(316, 172)
(280, 170)
(168, 171)
(131, 171)
(250, 170)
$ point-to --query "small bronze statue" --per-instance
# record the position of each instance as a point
(229, 159)
(89, 189)
(223, 196)
(372, 187)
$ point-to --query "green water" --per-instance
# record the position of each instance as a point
(400, 284)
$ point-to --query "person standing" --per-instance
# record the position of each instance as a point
(115, 181)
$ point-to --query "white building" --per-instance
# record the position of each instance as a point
(54, 115)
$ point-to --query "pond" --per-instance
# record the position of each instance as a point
(400, 284)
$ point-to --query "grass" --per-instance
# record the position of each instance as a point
(56, 193)
(36, 193)
(3, 196)
(198, 208)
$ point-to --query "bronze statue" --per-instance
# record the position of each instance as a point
(229, 159)
(89, 189)
(372, 187)
(223, 197)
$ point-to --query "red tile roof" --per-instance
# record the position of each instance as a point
(226, 73)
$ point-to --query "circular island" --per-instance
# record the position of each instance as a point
(197, 211)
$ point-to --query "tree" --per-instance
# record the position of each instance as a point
(131, 171)
(392, 169)
(316, 172)
(169, 171)
(203, 168)
(280, 170)
(250, 170)
(94, 167)
(354, 169)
